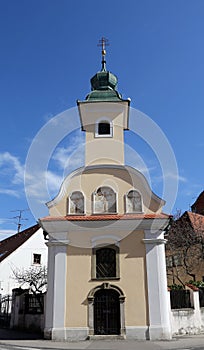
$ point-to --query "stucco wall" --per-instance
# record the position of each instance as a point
(108, 150)
(188, 321)
(121, 180)
(104, 150)
(22, 258)
(132, 282)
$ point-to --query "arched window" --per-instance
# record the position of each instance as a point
(104, 128)
(104, 200)
(133, 202)
(76, 203)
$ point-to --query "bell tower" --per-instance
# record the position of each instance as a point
(104, 117)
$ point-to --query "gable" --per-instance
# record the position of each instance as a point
(10, 244)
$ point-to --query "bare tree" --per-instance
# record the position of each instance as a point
(185, 247)
(35, 277)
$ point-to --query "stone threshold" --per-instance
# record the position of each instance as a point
(106, 337)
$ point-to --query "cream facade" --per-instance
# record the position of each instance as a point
(106, 260)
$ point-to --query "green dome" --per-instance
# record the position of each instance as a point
(104, 81)
(103, 87)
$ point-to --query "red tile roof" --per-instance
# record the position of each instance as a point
(197, 221)
(198, 205)
(101, 217)
(10, 244)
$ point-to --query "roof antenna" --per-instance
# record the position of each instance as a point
(103, 42)
(19, 218)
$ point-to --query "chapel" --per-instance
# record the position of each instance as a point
(106, 256)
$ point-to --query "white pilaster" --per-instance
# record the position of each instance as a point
(159, 313)
(56, 292)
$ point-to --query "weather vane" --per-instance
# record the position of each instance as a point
(103, 42)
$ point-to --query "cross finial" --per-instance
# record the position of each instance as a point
(103, 42)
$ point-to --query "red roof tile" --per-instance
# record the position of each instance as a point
(10, 244)
(191, 286)
(198, 205)
(101, 217)
(197, 221)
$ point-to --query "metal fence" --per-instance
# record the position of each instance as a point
(5, 310)
(34, 304)
(180, 299)
(201, 296)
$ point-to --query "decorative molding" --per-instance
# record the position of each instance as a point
(154, 241)
(104, 240)
(90, 297)
(79, 171)
(104, 286)
(57, 242)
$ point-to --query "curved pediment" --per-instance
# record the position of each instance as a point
(124, 182)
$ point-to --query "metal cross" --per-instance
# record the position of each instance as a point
(103, 42)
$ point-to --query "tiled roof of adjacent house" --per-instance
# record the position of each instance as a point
(197, 221)
(10, 244)
(101, 217)
(198, 205)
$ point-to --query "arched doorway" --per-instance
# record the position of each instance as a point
(106, 312)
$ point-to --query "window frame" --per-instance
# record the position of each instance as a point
(126, 203)
(104, 212)
(39, 256)
(117, 262)
(107, 121)
(69, 202)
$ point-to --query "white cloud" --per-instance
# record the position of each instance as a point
(54, 181)
(12, 163)
(4, 220)
(42, 186)
(9, 192)
(6, 233)
(41, 183)
(70, 157)
(170, 176)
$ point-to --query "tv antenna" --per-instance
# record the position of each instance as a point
(19, 218)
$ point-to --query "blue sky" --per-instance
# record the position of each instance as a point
(48, 55)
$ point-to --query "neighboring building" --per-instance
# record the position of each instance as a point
(198, 206)
(185, 249)
(106, 256)
(21, 251)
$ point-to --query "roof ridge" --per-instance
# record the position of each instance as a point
(9, 245)
(19, 234)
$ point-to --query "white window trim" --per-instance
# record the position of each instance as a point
(126, 205)
(68, 204)
(105, 120)
(104, 213)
